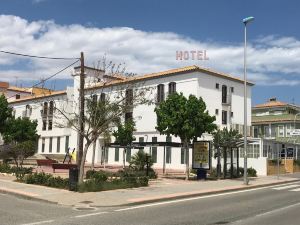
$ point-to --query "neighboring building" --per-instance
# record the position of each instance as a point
(13, 92)
(275, 121)
(222, 93)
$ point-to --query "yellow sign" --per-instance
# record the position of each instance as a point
(201, 152)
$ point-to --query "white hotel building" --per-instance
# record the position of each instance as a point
(222, 93)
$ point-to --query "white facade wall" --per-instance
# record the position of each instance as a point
(196, 83)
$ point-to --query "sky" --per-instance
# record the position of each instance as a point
(145, 35)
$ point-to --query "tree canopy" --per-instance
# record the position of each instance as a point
(124, 134)
(185, 118)
(5, 112)
(20, 130)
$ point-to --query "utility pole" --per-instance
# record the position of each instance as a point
(81, 111)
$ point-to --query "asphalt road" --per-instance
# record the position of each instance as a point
(270, 205)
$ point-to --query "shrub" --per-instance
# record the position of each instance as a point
(18, 171)
(139, 161)
(275, 161)
(297, 162)
(251, 172)
(46, 180)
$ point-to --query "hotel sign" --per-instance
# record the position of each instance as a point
(201, 155)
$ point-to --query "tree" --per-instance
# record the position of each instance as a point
(20, 130)
(20, 138)
(124, 136)
(20, 151)
(5, 112)
(185, 118)
(224, 140)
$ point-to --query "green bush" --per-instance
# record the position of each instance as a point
(275, 161)
(297, 162)
(20, 172)
(129, 172)
(46, 180)
(102, 180)
(251, 172)
(5, 168)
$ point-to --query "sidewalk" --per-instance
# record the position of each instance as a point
(158, 190)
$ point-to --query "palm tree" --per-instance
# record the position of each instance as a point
(225, 140)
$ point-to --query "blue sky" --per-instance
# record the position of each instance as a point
(274, 50)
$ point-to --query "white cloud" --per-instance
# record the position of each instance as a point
(143, 52)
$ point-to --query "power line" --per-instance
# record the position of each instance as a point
(48, 78)
(35, 56)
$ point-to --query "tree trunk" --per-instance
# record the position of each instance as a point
(225, 163)
(219, 163)
(124, 151)
(93, 157)
(81, 169)
(187, 160)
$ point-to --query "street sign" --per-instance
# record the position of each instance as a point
(295, 132)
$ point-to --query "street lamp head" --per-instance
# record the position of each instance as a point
(248, 19)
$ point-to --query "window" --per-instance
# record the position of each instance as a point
(45, 109)
(217, 86)
(117, 154)
(43, 144)
(141, 140)
(51, 108)
(289, 129)
(94, 99)
(129, 97)
(50, 144)
(18, 96)
(255, 132)
(128, 117)
(266, 131)
(172, 88)
(44, 125)
(224, 117)
(252, 151)
(67, 144)
(58, 145)
(106, 154)
(102, 97)
(160, 93)
(168, 150)
(28, 111)
(232, 89)
(154, 150)
(224, 94)
(50, 125)
(182, 156)
(128, 154)
(231, 114)
(281, 131)
(217, 112)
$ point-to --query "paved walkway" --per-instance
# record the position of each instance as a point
(158, 190)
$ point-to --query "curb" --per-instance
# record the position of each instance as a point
(26, 197)
(162, 199)
(206, 193)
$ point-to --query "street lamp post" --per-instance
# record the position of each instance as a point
(245, 21)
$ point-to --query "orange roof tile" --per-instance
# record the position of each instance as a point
(271, 104)
(172, 72)
(54, 93)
